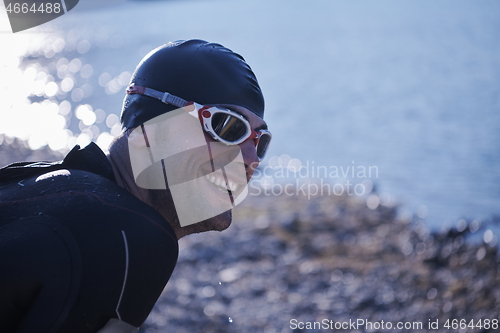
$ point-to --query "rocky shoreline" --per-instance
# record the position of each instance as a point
(329, 258)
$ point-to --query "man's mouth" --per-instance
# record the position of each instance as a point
(220, 184)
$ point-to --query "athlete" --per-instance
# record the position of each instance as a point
(87, 244)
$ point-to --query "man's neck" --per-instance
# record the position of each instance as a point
(119, 158)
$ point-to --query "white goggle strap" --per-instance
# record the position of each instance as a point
(162, 96)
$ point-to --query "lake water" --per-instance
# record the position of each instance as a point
(411, 88)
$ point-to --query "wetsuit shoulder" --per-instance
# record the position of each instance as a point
(119, 251)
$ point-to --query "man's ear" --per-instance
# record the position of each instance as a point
(136, 137)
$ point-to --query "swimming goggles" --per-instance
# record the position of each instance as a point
(222, 124)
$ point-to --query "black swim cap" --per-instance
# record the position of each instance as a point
(195, 70)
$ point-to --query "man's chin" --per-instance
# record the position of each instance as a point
(226, 223)
(217, 223)
(221, 222)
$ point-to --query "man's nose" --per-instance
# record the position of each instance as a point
(249, 157)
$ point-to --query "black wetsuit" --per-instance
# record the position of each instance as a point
(76, 249)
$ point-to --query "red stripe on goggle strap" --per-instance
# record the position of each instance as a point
(201, 112)
(134, 89)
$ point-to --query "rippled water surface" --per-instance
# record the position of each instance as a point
(408, 87)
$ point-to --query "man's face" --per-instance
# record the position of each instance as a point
(209, 186)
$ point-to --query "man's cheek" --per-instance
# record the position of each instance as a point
(254, 171)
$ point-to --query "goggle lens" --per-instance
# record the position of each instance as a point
(263, 144)
(228, 127)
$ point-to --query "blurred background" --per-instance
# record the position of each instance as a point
(409, 87)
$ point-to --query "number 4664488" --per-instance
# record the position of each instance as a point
(463, 324)
(25, 8)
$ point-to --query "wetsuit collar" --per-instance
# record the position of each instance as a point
(91, 159)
